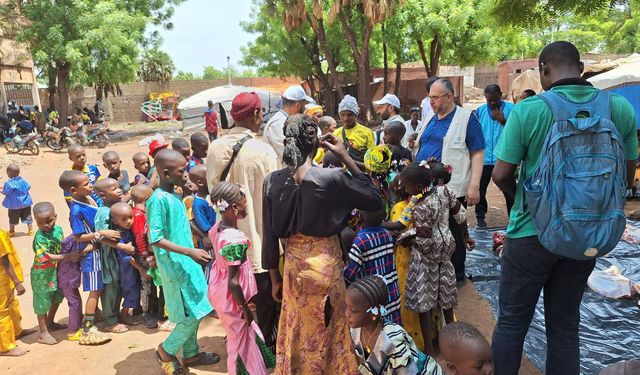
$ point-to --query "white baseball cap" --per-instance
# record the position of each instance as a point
(296, 94)
(389, 99)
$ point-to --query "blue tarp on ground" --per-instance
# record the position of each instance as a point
(609, 330)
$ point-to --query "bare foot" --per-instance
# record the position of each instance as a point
(26, 332)
(47, 339)
(53, 326)
(164, 356)
(15, 352)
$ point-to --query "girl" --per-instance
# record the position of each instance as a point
(232, 285)
(382, 347)
(432, 244)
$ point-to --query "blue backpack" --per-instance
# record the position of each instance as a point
(576, 195)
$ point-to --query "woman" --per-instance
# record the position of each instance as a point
(357, 138)
(307, 207)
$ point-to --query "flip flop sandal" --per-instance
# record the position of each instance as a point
(117, 328)
(204, 359)
(172, 367)
(75, 336)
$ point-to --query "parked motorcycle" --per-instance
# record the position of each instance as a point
(57, 139)
(95, 134)
(16, 143)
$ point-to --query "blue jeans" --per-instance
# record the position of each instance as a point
(528, 268)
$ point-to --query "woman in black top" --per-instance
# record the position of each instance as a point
(307, 207)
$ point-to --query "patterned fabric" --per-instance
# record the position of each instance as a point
(82, 219)
(16, 192)
(43, 271)
(267, 355)
(394, 353)
(235, 252)
(378, 159)
(431, 279)
(139, 229)
(94, 175)
(312, 278)
(108, 255)
(9, 306)
(211, 121)
(372, 254)
(360, 137)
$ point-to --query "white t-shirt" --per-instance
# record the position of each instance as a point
(274, 132)
(426, 108)
(392, 119)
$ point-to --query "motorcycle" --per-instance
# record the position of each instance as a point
(15, 143)
(94, 134)
(56, 139)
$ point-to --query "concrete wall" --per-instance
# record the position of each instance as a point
(16, 66)
(509, 70)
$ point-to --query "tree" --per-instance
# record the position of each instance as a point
(155, 65)
(543, 13)
(185, 76)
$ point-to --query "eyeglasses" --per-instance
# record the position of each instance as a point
(433, 98)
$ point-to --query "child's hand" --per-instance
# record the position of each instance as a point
(74, 257)
(20, 288)
(128, 248)
(247, 314)
(110, 234)
(470, 243)
(200, 256)
(206, 243)
(144, 276)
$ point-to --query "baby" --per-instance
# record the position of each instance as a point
(465, 350)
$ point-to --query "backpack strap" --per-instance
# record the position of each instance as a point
(564, 109)
(345, 140)
(236, 150)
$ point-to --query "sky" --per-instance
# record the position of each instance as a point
(205, 32)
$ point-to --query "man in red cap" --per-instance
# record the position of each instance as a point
(240, 158)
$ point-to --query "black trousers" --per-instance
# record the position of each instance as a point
(527, 269)
(266, 308)
(482, 207)
(460, 254)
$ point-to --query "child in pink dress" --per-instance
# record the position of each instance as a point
(232, 285)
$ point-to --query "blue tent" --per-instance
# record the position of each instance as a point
(625, 81)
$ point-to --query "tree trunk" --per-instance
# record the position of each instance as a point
(361, 58)
(423, 56)
(385, 62)
(396, 88)
(317, 25)
(63, 91)
(434, 55)
(51, 87)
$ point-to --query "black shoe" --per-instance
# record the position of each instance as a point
(481, 223)
(150, 321)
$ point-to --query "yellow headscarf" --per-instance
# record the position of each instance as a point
(313, 109)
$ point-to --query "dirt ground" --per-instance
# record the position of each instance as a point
(133, 352)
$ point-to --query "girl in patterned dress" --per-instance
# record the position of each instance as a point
(431, 279)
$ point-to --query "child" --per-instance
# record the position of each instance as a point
(142, 164)
(189, 191)
(327, 125)
(432, 245)
(377, 163)
(177, 260)
(69, 284)
(47, 244)
(381, 346)
(412, 143)
(148, 293)
(82, 213)
(17, 200)
(154, 147)
(200, 148)
(372, 254)
(211, 121)
(400, 156)
(204, 216)
(110, 192)
(130, 270)
(465, 351)
(182, 146)
(10, 279)
(78, 157)
(112, 163)
(232, 285)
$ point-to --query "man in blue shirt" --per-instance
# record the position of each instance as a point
(492, 115)
(454, 136)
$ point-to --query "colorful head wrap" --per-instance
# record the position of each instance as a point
(349, 103)
(378, 159)
(244, 105)
(313, 109)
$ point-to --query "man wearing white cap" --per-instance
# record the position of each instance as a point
(389, 111)
(294, 99)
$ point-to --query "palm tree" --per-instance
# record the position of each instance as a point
(155, 65)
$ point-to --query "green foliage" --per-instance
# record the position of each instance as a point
(155, 65)
(185, 76)
(544, 13)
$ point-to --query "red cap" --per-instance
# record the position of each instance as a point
(155, 146)
(244, 105)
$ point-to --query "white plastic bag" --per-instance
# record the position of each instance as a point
(147, 140)
(610, 283)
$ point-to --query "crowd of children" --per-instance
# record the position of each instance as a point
(165, 244)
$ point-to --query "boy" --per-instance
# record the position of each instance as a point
(130, 270)
(142, 164)
(182, 146)
(204, 216)
(111, 161)
(393, 135)
(17, 200)
(69, 284)
(177, 261)
(110, 192)
(154, 147)
(464, 350)
(82, 213)
(78, 157)
(211, 121)
(47, 244)
(10, 279)
(148, 294)
(372, 254)
(200, 147)
(327, 125)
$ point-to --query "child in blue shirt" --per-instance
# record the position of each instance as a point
(17, 200)
(78, 157)
(204, 215)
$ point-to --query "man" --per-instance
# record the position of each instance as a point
(40, 120)
(493, 116)
(253, 161)
(425, 105)
(527, 266)
(294, 100)
(388, 109)
(454, 136)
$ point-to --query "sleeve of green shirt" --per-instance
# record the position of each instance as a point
(624, 117)
(511, 147)
(155, 219)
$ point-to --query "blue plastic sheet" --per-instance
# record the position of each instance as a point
(609, 329)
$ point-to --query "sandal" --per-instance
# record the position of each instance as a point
(172, 367)
(75, 336)
(167, 326)
(94, 337)
(204, 359)
(117, 328)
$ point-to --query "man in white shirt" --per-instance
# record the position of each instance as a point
(426, 102)
(388, 108)
(294, 100)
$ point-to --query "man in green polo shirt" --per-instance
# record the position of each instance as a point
(527, 267)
